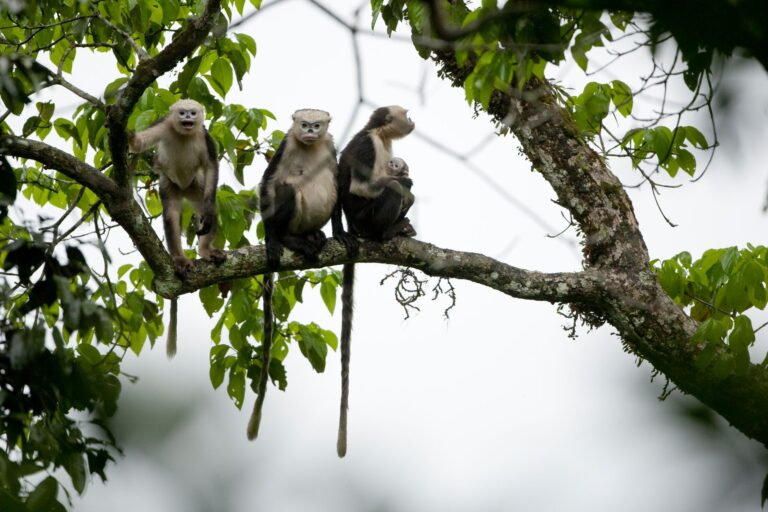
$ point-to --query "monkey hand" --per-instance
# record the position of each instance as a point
(405, 181)
(206, 222)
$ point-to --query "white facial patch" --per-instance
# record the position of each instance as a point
(311, 124)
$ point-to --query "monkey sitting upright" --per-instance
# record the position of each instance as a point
(297, 196)
(189, 168)
(376, 197)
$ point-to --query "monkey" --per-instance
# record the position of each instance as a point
(375, 196)
(397, 167)
(188, 166)
(297, 196)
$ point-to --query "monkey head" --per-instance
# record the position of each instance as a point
(391, 122)
(400, 122)
(397, 167)
(187, 116)
(310, 125)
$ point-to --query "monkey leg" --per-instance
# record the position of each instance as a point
(207, 251)
(307, 246)
(318, 239)
(171, 195)
(382, 217)
(205, 241)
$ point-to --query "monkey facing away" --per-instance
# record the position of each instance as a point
(376, 196)
(297, 196)
(189, 169)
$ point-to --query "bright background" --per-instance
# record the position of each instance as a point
(494, 409)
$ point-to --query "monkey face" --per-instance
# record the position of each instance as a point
(400, 121)
(187, 116)
(309, 125)
(397, 167)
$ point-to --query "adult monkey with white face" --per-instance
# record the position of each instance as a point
(189, 169)
(376, 196)
(297, 195)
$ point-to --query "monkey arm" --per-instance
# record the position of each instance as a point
(211, 183)
(145, 139)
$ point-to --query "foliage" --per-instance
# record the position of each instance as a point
(67, 325)
(720, 287)
(71, 314)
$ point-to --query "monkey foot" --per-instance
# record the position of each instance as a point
(217, 256)
(408, 229)
(317, 239)
(182, 265)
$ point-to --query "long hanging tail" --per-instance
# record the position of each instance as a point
(266, 348)
(170, 340)
(347, 302)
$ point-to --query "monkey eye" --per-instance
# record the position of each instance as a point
(316, 126)
(304, 125)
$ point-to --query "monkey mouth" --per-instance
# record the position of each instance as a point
(188, 124)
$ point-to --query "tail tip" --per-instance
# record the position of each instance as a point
(341, 445)
(253, 426)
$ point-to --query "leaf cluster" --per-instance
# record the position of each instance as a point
(719, 288)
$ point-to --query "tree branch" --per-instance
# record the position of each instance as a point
(435, 261)
(182, 46)
(57, 159)
(118, 202)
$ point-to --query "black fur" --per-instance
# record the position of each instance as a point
(347, 301)
(266, 348)
(211, 145)
(379, 118)
(379, 218)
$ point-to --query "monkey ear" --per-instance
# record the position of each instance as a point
(293, 117)
(388, 118)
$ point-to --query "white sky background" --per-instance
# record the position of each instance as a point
(492, 410)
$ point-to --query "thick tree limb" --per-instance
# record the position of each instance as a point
(118, 202)
(60, 160)
(524, 284)
(182, 46)
(649, 322)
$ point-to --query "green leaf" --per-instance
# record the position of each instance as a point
(622, 97)
(44, 495)
(661, 142)
(311, 344)
(221, 76)
(74, 465)
(742, 335)
(154, 205)
(728, 259)
(328, 293)
(236, 386)
(211, 299)
(687, 161)
(216, 373)
(248, 42)
(696, 137)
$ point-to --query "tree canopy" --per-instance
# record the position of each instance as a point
(72, 310)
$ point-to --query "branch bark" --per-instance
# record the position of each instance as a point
(119, 203)
(650, 324)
